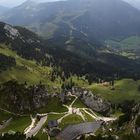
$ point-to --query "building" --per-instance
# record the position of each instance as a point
(73, 131)
(52, 123)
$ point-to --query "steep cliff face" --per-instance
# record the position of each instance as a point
(129, 122)
(136, 118)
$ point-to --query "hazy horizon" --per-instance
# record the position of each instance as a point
(14, 3)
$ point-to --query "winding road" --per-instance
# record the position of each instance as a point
(36, 126)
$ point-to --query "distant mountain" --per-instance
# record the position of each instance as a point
(3, 9)
(109, 19)
(28, 46)
(89, 19)
(76, 30)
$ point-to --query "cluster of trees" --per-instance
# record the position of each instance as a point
(111, 137)
(130, 119)
(31, 49)
(58, 72)
(139, 88)
(21, 98)
(138, 121)
(72, 63)
(126, 108)
(30, 46)
(16, 136)
(98, 137)
(67, 85)
(6, 62)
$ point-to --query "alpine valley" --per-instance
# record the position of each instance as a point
(70, 70)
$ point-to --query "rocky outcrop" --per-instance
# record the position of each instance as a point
(21, 98)
(11, 32)
(91, 100)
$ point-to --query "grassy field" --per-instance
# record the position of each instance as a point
(42, 136)
(27, 70)
(87, 116)
(18, 124)
(132, 42)
(79, 104)
(80, 81)
(69, 120)
(54, 105)
(4, 116)
(46, 31)
(128, 47)
(126, 89)
(54, 117)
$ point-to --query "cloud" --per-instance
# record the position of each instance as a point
(10, 3)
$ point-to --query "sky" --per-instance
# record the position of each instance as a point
(12, 3)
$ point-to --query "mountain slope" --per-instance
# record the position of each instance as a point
(103, 23)
(24, 42)
(3, 10)
(35, 58)
(91, 18)
(82, 26)
(21, 57)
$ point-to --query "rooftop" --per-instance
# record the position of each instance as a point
(73, 131)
